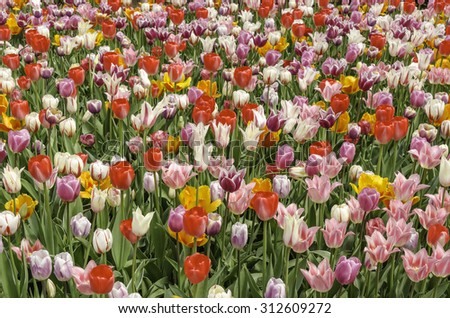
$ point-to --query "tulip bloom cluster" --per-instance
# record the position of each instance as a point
(271, 148)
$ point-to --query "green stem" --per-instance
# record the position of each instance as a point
(178, 262)
(377, 282)
(436, 287)
(50, 244)
(380, 157)
(265, 238)
(91, 236)
(121, 137)
(239, 272)
(286, 269)
(156, 193)
(133, 270)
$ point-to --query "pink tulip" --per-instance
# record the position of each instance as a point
(399, 231)
(398, 210)
(320, 278)
(376, 224)
(404, 189)
(441, 267)
(428, 156)
(18, 140)
(431, 215)
(436, 199)
(347, 269)
(239, 200)
(330, 166)
(319, 188)
(291, 210)
(330, 90)
(356, 213)
(81, 278)
(296, 233)
(417, 266)
(215, 165)
(378, 248)
(335, 233)
(176, 176)
(27, 248)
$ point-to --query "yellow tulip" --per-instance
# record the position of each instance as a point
(3, 103)
(10, 123)
(341, 125)
(206, 87)
(188, 198)
(171, 87)
(349, 84)
(262, 185)
(20, 201)
(12, 24)
(88, 183)
(188, 240)
(371, 119)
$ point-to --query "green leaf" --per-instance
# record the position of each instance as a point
(254, 290)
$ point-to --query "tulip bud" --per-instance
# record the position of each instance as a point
(119, 291)
(340, 212)
(217, 192)
(102, 240)
(68, 127)
(48, 101)
(214, 224)
(217, 291)
(63, 266)
(427, 131)
(413, 241)
(80, 225)
(74, 165)
(275, 288)
(98, 199)
(270, 75)
(113, 198)
(40, 265)
(239, 235)
(354, 131)
(285, 77)
(410, 113)
(149, 181)
(281, 185)
(354, 172)
(94, 106)
(175, 221)
(347, 152)
(50, 288)
(444, 172)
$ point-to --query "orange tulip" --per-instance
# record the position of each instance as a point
(12, 61)
(33, 71)
(24, 83)
(19, 109)
(5, 33)
(321, 148)
(247, 112)
(298, 29)
(212, 62)
(176, 16)
(287, 19)
(30, 35)
(409, 6)
(444, 48)
(153, 159)
(149, 64)
(340, 103)
(263, 11)
(40, 168)
(227, 117)
(265, 205)
(171, 49)
(201, 13)
(109, 29)
(77, 74)
(243, 76)
(114, 4)
(384, 113)
(101, 279)
(297, 13)
(437, 233)
(400, 127)
(195, 221)
(175, 71)
(201, 114)
(120, 108)
(384, 131)
(110, 58)
(323, 3)
(126, 230)
(319, 18)
(40, 43)
(378, 41)
(196, 267)
(121, 175)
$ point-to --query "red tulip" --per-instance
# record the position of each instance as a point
(227, 117)
(5, 33)
(207, 102)
(120, 108)
(30, 35)
(196, 267)
(77, 74)
(319, 18)
(323, 3)
(83, 157)
(201, 114)
(321, 148)
(287, 19)
(110, 58)
(153, 159)
(409, 6)
(437, 233)
(243, 76)
(247, 112)
(24, 83)
(12, 61)
(298, 29)
(126, 230)
(176, 16)
(109, 29)
(195, 221)
(400, 127)
(340, 103)
(33, 71)
(114, 4)
(40, 168)
(40, 43)
(384, 113)
(149, 64)
(101, 279)
(265, 205)
(201, 13)
(384, 131)
(171, 49)
(175, 72)
(263, 11)
(212, 62)
(377, 40)
(297, 13)
(121, 175)
(444, 48)
(19, 109)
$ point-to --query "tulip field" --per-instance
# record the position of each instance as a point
(224, 148)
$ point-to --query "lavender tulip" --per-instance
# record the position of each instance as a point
(80, 225)
(284, 157)
(281, 185)
(239, 235)
(368, 199)
(18, 140)
(40, 265)
(63, 266)
(275, 288)
(347, 270)
(175, 221)
(68, 188)
(214, 224)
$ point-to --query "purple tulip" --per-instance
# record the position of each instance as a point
(68, 188)
(66, 87)
(272, 57)
(63, 266)
(347, 152)
(186, 133)
(327, 118)
(3, 152)
(40, 265)
(230, 180)
(242, 51)
(18, 140)
(80, 225)
(87, 139)
(175, 221)
(381, 98)
(347, 270)
(239, 235)
(216, 191)
(368, 199)
(193, 94)
(334, 67)
(281, 185)
(285, 157)
(417, 99)
(214, 224)
(275, 122)
(94, 106)
(275, 288)
(313, 165)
